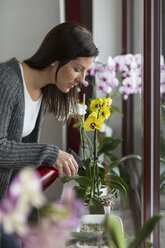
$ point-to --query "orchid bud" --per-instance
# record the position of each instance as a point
(86, 84)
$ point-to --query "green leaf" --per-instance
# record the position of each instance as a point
(82, 172)
(162, 181)
(124, 174)
(113, 232)
(81, 236)
(80, 192)
(87, 162)
(116, 182)
(78, 124)
(162, 187)
(112, 156)
(162, 177)
(116, 109)
(108, 144)
(162, 146)
(145, 231)
(148, 244)
(82, 180)
(119, 161)
(129, 240)
(95, 206)
(162, 160)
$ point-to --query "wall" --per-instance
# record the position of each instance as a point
(107, 27)
(23, 25)
(107, 33)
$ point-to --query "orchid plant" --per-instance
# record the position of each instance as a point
(100, 110)
(57, 219)
(97, 173)
(122, 76)
(123, 73)
(112, 234)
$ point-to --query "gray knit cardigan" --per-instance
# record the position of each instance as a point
(15, 152)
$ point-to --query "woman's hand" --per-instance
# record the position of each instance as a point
(66, 163)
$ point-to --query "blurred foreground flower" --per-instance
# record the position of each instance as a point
(24, 193)
(57, 219)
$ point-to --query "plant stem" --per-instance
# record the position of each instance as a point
(95, 179)
(83, 141)
(96, 158)
(88, 140)
(83, 118)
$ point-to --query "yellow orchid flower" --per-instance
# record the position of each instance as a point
(93, 114)
(105, 113)
(92, 122)
(96, 104)
(107, 102)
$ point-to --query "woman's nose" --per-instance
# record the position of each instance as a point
(81, 77)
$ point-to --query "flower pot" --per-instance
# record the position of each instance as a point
(95, 219)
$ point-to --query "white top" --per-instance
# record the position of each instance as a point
(31, 110)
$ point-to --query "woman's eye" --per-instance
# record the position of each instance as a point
(77, 70)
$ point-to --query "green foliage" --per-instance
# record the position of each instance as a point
(145, 231)
(115, 237)
(108, 144)
(80, 192)
(162, 181)
(81, 236)
(82, 180)
(113, 232)
(123, 159)
(162, 147)
(116, 182)
(95, 206)
(104, 175)
(116, 109)
(98, 173)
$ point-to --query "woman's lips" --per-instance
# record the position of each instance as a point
(72, 85)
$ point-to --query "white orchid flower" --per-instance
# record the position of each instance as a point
(81, 109)
(27, 187)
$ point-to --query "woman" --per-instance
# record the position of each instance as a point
(47, 81)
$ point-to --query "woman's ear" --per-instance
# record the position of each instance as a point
(55, 63)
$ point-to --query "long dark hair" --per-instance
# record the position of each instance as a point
(63, 43)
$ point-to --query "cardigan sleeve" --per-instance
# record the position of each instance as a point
(15, 154)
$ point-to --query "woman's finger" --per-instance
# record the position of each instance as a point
(66, 163)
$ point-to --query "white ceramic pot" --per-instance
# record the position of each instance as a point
(95, 219)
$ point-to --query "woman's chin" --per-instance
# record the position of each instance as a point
(65, 90)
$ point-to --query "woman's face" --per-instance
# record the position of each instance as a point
(72, 73)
